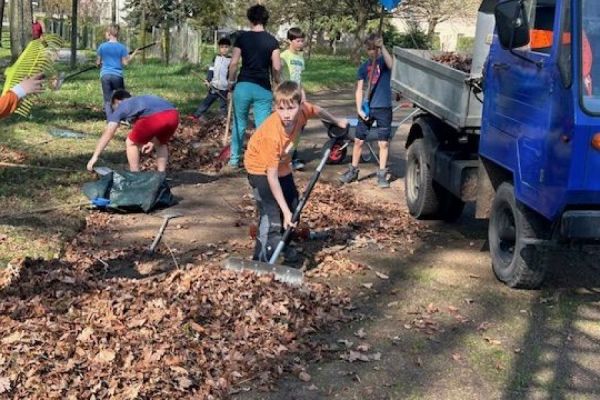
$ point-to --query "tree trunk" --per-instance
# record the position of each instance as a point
(113, 16)
(167, 43)
(20, 26)
(73, 33)
(362, 18)
(311, 29)
(431, 25)
(143, 35)
(2, 3)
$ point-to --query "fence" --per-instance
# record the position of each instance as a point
(185, 41)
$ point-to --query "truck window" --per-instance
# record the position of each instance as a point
(541, 17)
(590, 72)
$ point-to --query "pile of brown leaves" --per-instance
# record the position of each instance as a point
(11, 155)
(357, 223)
(194, 146)
(455, 60)
(69, 330)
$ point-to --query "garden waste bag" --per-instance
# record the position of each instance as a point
(126, 191)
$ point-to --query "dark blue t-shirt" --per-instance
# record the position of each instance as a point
(112, 54)
(140, 106)
(381, 82)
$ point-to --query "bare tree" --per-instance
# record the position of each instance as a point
(2, 3)
(20, 26)
(73, 34)
(434, 12)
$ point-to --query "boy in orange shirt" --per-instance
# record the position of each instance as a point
(268, 162)
(10, 100)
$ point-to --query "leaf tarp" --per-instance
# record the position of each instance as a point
(130, 191)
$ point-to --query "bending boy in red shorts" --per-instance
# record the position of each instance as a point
(154, 120)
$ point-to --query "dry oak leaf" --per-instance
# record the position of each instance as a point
(105, 356)
(4, 384)
(85, 334)
(304, 376)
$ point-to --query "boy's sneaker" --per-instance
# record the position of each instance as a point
(230, 169)
(298, 165)
(382, 181)
(350, 175)
(291, 256)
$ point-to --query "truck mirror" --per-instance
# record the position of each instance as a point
(512, 24)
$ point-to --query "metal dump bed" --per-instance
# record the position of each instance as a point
(436, 88)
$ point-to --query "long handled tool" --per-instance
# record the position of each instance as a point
(292, 276)
(57, 83)
(166, 218)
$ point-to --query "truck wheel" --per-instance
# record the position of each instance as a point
(421, 197)
(450, 207)
(514, 262)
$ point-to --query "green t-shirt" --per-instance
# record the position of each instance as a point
(293, 65)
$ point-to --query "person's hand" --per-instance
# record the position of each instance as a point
(91, 163)
(147, 148)
(379, 43)
(362, 115)
(206, 82)
(33, 84)
(342, 123)
(287, 220)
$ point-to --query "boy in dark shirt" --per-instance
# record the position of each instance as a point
(378, 69)
(154, 120)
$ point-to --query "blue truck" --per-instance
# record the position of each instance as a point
(519, 134)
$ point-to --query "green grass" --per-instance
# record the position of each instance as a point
(78, 106)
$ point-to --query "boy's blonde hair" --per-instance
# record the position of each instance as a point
(288, 92)
(113, 30)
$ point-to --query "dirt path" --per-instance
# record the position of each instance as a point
(431, 322)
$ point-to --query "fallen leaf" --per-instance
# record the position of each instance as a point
(105, 356)
(360, 333)
(304, 376)
(85, 334)
(346, 343)
(13, 338)
(363, 347)
(375, 357)
(355, 356)
(456, 357)
(381, 275)
(392, 304)
(492, 341)
(367, 285)
(312, 388)
(4, 384)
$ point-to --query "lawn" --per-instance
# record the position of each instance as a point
(78, 106)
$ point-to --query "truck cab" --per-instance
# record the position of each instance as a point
(528, 153)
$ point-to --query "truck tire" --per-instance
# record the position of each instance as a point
(516, 263)
(421, 197)
(450, 207)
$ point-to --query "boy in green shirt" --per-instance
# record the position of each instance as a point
(292, 62)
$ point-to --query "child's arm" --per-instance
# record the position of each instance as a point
(233, 66)
(106, 137)
(276, 66)
(275, 186)
(387, 58)
(326, 116)
(10, 100)
(358, 96)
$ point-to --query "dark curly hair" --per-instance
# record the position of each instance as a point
(258, 15)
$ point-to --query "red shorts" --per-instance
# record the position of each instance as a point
(161, 126)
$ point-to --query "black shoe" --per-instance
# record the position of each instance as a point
(291, 256)
(350, 175)
(382, 180)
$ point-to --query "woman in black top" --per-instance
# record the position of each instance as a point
(259, 51)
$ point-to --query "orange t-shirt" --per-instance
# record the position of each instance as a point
(271, 146)
(8, 103)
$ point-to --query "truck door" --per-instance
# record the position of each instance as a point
(518, 102)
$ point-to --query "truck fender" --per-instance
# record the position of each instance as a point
(490, 177)
(428, 128)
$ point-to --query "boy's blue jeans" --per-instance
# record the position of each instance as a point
(247, 94)
(110, 83)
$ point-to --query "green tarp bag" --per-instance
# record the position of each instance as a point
(130, 191)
